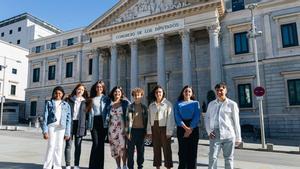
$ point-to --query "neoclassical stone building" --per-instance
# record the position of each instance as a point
(178, 42)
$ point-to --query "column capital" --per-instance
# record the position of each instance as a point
(214, 28)
(133, 42)
(184, 33)
(159, 37)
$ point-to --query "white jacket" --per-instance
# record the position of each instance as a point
(229, 121)
(165, 116)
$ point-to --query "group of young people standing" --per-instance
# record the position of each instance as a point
(127, 125)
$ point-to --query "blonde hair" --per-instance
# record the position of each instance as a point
(137, 90)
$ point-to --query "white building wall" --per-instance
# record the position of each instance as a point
(23, 35)
(13, 54)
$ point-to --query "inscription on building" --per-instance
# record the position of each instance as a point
(149, 30)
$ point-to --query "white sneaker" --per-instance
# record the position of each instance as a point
(68, 167)
(125, 167)
(76, 167)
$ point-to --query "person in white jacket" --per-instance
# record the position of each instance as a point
(223, 127)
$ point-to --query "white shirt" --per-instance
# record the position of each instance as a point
(77, 104)
(229, 121)
(57, 113)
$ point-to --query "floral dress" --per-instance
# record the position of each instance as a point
(116, 133)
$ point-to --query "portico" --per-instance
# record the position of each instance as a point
(129, 24)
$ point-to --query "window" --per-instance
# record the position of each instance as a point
(70, 41)
(241, 43)
(51, 72)
(289, 35)
(18, 41)
(19, 29)
(238, 5)
(53, 46)
(14, 71)
(2, 34)
(36, 75)
(13, 89)
(38, 49)
(90, 66)
(10, 31)
(245, 95)
(294, 91)
(69, 70)
(33, 105)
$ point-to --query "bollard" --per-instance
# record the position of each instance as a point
(30, 124)
(270, 147)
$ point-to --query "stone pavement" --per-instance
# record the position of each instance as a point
(26, 149)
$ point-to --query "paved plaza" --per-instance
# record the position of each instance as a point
(26, 149)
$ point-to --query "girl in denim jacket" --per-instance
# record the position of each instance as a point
(56, 127)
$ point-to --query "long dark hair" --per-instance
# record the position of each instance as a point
(152, 95)
(111, 94)
(181, 97)
(93, 92)
(85, 93)
(59, 88)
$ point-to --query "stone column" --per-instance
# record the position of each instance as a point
(134, 64)
(215, 58)
(95, 73)
(161, 64)
(113, 66)
(186, 58)
(100, 62)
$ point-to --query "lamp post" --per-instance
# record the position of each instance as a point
(4, 66)
(253, 34)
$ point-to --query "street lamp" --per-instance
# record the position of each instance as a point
(253, 34)
(4, 66)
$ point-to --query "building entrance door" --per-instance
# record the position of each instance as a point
(150, 87)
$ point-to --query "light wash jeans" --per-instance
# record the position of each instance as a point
(215, 145)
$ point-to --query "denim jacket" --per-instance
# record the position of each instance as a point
(108, 106)
(49, 116)
(103, 102)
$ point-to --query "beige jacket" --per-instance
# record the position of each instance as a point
(165, 116)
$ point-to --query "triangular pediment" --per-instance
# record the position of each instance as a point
(128, 10)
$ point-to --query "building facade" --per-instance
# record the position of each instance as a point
(13, 67)
(15, 35)
(193, 42)
(21, 29)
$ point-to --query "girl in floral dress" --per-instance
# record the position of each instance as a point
(116, 114)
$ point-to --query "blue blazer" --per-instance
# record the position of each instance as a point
(49, 116)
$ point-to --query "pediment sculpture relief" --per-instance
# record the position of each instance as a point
(149, 7)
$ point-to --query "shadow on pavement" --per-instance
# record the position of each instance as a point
(176, 162)
(11, 165)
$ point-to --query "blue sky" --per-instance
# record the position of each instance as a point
(64, 14)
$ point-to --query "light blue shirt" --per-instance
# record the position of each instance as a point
(98, 105)
(187, 110)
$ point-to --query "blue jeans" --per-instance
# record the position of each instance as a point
(215, 145)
